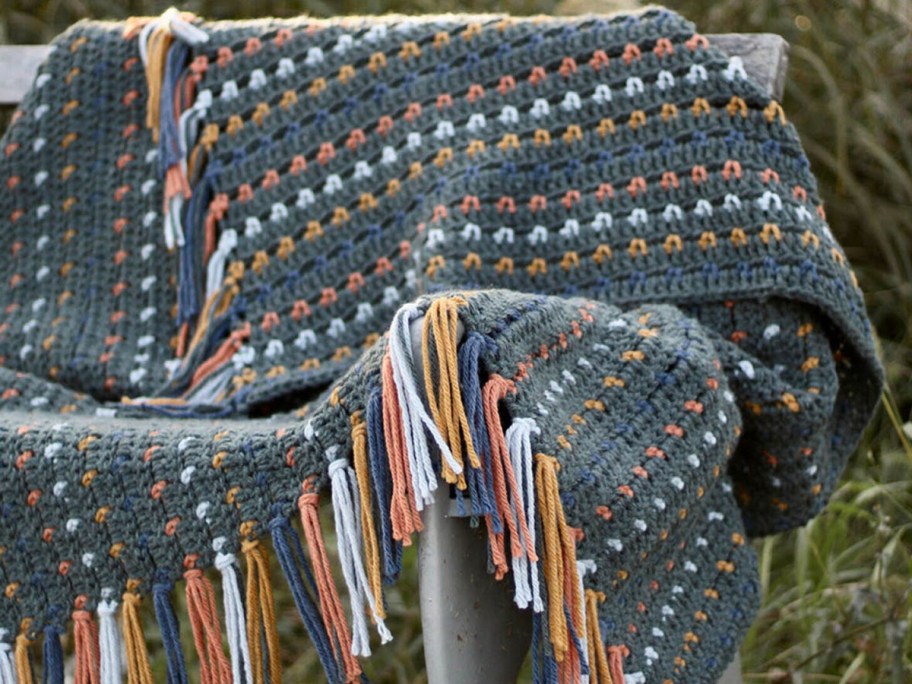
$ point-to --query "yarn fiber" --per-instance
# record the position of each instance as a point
(642, 343)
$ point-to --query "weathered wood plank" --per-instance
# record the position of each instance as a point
(19, 64)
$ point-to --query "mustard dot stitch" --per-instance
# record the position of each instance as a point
(542, 170)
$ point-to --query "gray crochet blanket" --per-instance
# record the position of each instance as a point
(642, 344)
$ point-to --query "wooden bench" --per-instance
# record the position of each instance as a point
(485, 639)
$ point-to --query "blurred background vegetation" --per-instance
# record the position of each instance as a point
(838, 593)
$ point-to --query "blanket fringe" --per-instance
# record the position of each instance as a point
(261, 620)
(330, 604)
(377, 496)
(109, 642)
(52, 655)
(495, 468)
(85, 639)
(138, 668)
(23, 662)
(214, 668)
(235, 620)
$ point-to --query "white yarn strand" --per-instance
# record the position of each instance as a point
(519, 445)
(415, 417)
(110, 646)
(235, 621)
(7, 669)
(347, 513)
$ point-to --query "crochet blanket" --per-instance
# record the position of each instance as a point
(640, 342)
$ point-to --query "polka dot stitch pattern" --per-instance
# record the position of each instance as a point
(641, 344)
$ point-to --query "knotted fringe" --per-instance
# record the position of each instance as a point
(559, 560)
(598, 659)
(518, 495)
(23, 662)
(525, 565)
(138, 669)
(443, 393)
(52, 670)
(291, 558)
(392, 476)
(368, 532)
(7, 664)
(85, 640)
(382, 485)
(507, 494)
(109, 642)
(207, 636)
(235, 621)
(417, 468)
(170, 633)
(347, 512)
(204, 341)
(616, 655)
(330, 605)
(262, 631)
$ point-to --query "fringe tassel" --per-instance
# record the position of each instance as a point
(494, 390)
(346, 509)
(443, 393)
(291, 557)
(109, 644)
(558, 555)
(235, 620)
(170, 633)
(330, 605)
(52, 672)
(416, 422)
(404, 517)
(519, 445)
(598, 659)
(616, 655)
(85, 638)
(261, 620)
(481, 496)
(382, 484)
(138, 669)
(7, 666)
(368, 532)
(207, 633)
(23, 662)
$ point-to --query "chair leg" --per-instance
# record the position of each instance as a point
(733, 674)
(472, 630)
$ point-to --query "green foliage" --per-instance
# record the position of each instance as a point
(837, 593)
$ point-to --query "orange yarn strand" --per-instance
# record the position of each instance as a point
(616, 655)
(403, 514)
(85, 638)
(214, 667)
(330, 605)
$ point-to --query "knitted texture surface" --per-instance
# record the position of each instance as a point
(641, 343)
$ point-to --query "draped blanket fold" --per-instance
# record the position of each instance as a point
(639, 342)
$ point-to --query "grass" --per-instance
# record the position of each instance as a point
(838, 593)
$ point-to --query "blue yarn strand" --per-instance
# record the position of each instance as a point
(53, 656)
(290, 560)
(382, 481)
(170, 633)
